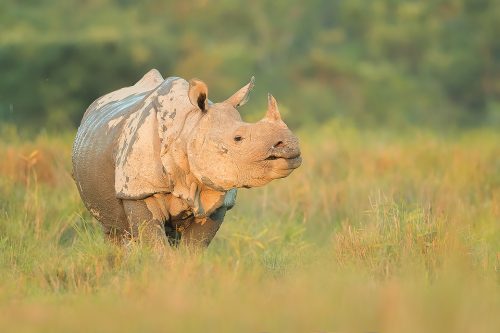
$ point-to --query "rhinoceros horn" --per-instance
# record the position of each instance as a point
(272, 114)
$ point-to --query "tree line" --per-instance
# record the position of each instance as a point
(384, 62)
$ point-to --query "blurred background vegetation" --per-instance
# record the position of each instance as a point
(373, 63)
(388, 226)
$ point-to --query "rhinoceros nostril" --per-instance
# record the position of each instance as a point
(278, 144)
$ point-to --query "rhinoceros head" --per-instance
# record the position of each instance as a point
(225, 152)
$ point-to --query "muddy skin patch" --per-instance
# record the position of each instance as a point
(165, 87)
(114, 122)
(133, 136)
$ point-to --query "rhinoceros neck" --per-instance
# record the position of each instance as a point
(177, 119)
(202, 199)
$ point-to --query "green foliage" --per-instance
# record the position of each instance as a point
(381, 62)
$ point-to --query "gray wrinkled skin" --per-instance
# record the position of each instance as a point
(160, 163)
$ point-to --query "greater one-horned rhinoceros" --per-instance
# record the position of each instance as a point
(158, 161)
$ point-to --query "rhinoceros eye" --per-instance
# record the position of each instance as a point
(238, 138)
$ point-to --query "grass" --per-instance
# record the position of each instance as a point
(377, 232)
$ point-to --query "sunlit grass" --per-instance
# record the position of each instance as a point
(377, 231)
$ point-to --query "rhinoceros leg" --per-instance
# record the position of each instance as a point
(146, 226)
(173, 235)
(202, 231)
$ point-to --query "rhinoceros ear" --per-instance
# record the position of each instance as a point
(198, 93)
(241, 96)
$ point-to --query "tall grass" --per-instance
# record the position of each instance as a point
(377, 231)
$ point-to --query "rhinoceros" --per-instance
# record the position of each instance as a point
(160, 163)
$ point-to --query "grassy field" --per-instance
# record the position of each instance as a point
(377, 232)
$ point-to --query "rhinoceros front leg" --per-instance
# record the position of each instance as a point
(116, 236)
(146, 223)
(201, 232)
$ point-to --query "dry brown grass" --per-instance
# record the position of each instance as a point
(377, 231)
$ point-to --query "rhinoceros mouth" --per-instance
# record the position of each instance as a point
(294, 162)
(273, 157)
(291, 162)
